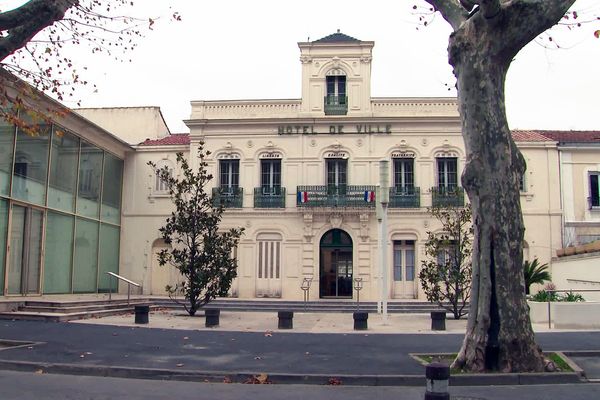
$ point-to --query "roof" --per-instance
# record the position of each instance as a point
(336, 38)
(171, 140)
(530, 136)
(573, 136)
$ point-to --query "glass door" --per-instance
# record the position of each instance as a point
(25, 250)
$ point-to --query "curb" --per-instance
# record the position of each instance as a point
(279, 378)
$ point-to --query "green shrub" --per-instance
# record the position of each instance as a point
(571, 297)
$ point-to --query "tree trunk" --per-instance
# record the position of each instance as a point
(499, 334)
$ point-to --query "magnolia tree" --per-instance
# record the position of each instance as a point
(201, 250)
(487, 35)
(445, 275)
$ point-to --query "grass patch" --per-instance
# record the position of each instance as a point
(448, 358)
(560, 363)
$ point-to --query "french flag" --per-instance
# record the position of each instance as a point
(302, 197)
(369, 196)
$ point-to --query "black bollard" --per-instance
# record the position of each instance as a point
(360, 320)
(286, 319)
(141, 314)
(438, 320)
(437, 375)
(212, 317)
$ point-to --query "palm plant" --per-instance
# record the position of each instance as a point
(535, 273)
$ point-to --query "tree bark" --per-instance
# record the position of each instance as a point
(24, 22)
(499, 334)
(484, 42)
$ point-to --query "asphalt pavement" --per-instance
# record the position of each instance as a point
(217, 355)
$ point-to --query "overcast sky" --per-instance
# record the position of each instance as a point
(241, 49)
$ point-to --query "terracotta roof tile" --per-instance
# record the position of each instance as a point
(171, 140)
(530, 136)
(573, 136)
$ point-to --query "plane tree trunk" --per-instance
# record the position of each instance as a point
(485, 40)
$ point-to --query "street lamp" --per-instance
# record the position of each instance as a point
(383, 200)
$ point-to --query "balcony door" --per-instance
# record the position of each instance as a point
(335, 265)
(403, 269)
(25, 250)
(337, 176)
(270, 177)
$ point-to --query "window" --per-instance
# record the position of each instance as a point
(448, 255)
(160, 186)
(594, 199)
(336, 87)
(270, 177)
(337, 175)
(522, 185)
(404, 179)
(229, 173)
(447, 173)
(336, 100)
(404, 260)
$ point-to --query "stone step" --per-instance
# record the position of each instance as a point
(62, 317)
(69, 309)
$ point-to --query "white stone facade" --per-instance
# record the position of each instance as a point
(315, 150)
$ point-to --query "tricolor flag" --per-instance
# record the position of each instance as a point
(302, 197)
(369, 196)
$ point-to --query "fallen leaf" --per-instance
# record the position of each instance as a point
(262, 379)
(39, 371)
(334, 381)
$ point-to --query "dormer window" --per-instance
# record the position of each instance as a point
(336, 100)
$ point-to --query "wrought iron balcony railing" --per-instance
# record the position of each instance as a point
(447, 196)
(230, 197)
(269, 197)
(405, 197)
(350, 196)
(336, 105)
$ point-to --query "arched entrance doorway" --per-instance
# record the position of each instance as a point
(162, 275)
(335, 265)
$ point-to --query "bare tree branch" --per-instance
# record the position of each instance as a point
(451, 10)
(24, 22)
(526, 19)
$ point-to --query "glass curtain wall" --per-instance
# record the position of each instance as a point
(67, 193)
(7, 137)
(3, 238)
(59, 253)
(109, 257)
(64, 154)
(30, 168)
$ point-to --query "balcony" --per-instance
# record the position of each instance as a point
(229, 197)
(344, 196)
(269, 197)
(336, 105)
(447, 196)
(405, 197)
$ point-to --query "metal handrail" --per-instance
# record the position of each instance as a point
(127, 281)
(566, 291)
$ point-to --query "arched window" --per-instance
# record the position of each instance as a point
(160, 186)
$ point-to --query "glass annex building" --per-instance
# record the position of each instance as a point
(60, 201)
